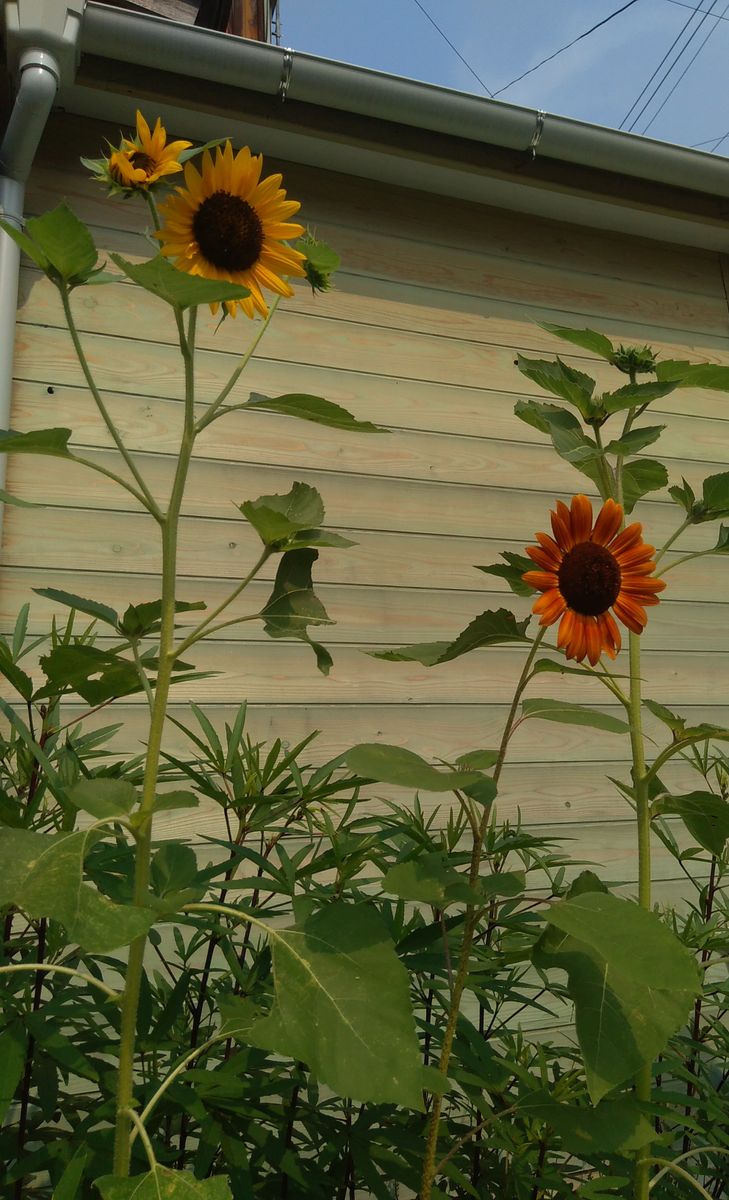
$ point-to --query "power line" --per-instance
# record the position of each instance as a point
(674, 43)
(566, 47)
(683, 4)
(686, 68)
(455, 49)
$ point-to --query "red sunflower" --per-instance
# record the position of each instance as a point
(586, 570)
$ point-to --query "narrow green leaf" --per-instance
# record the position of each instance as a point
(103, 797)
(512, 571)
(566, 433)
(635, 440)
(588, 339)
(641, 476)
(13, 1042)
(177, 288)
(705, 815)
(164, 1184)
(631, 980)
(572, 714)
(22, 683)
(312, 408)
(396, 765)
(16, 502)
(65, 243)
(140, 620)
(343, 1007)
(684, 495)
(69, 1185)
(53, 442)
(92, 608)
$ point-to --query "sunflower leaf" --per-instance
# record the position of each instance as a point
(162, 1183)
(293, 605)
(53, 442)
(494, 627)
(572, 714)
(277, 518)
(561, 380)
(512, 571)
(566, 433)
(6, 498)
(635, 440)
(716, 495)
(635, 395)
(312, 408)
(429, 879)
(705, 815)
(588, 339)
(66, 245)
(701, 375)
(404, 768)
(641, 476)
(685, 496)
(177, 288)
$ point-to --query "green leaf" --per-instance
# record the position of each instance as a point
(566, 433)
(722, 542)
(635, 440)
(494, 627)
(164, 1184)
(701, 375)
(103, 797)
(92, 608)
(685, 495)
(22, 683)
(65, 243)
(312, 408)
(560, 379)
(169, 801)
(478, 760)
(606, 1187)
(69, 1185)
(34, 252)
(177, 288)
(95, 674)
(501, 883)
(43, 875)
(293, 605)
(716, 495)
(614, 1126)
(429, 879)
(53, 442)
(321, 262)
(512, 570)
(588, 339)
(631, 981)
(13, 1043)
(641, 476)
(140, 620)
(276, 518)
(6, 498)
(343, 1007)
(572, 714)
(634, 395)
(705, 815)
(404, 768)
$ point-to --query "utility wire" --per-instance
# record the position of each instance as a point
(566, 47)
(674, 43)
(686, 68)
(455, 49)
(683, 4)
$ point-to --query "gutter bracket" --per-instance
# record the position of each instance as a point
(538, 131)
(287, 67)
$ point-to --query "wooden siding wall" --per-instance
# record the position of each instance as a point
(434, 299)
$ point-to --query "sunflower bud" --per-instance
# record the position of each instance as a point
(320, 264)
(634, 360)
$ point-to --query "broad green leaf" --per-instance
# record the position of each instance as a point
(177, 288)
(684, 495)
(512, 571)
(65, 243)
(293, 604)
(321, 262)
(559, 379)
(572, 714)
(34, 252)
(396, 765)
(478, 760)
(716, 495)
(429, 879)
(168, 801)
(705, 815)
(92, 608)
(140, 620)
(640, 476)
(635, 440)
(164, 1184)
(631, 980)
(588, 339)
(69, 1185)
(614, 1126)
(103, 797)
(312, 408)
(566, 433)
(53, 442)
(276, 518)
(634, 395)
(483, 791)
(501, 883)
(95, 674)
(722, 541)
(43, 875)
(343, 1007)
(701, 375)
(15, 501)
(13, 1042)
(22, 683)
(606, 1187)
(495, 627)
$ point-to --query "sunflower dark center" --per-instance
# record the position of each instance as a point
(589, 579)
(228, 231)
(142, 161)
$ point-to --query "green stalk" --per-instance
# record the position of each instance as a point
(130, 1001)
(469, 929)
(213, 411)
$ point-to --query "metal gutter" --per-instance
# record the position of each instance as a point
(162, 45)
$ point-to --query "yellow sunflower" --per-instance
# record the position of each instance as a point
(228, 223)
(141, 161)
(585, 570)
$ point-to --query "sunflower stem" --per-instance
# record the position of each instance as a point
(130, 998)
(204, 626)
(673, 538)
(211, 413)
(605, 468)
(471, 921)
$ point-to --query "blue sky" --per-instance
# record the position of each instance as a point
(596, 80)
